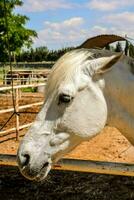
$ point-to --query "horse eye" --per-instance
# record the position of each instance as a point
(64, 98)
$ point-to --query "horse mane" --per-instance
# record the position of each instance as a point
(66, 68)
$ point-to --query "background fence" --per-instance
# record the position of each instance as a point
(24, 76)
(17, 91)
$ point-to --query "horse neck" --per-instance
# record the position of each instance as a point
(119, 95)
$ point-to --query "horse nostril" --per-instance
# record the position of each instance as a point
(45, 165)
(24, 160)
(27, 159)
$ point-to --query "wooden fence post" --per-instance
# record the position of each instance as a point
(17, 116)
(32, 77)
(4, 75)
(19, 93)
(29, 78)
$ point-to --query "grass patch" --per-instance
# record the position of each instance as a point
(29, 89)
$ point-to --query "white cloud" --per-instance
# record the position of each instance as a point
(119, 24)
(105, 5)
(98, 30)
(117, 30)
(102, 5)
(65, 33)
(121, 19)
(42, 5)
(55, 38)
(116, 23)
(73, 32)
(71, 23)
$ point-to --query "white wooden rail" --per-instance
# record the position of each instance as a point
(21, 86)
(20, 78)
(17, 88)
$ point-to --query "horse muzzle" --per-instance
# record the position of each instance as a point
(33, 168)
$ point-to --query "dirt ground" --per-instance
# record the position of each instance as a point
(62, 185)
(110, 145)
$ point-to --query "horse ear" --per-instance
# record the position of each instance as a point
(104, 64)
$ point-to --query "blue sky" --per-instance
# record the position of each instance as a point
(61, 23)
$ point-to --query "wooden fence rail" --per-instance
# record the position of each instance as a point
(18, 108)
(24, 76)
(92, 166)
(21, 86)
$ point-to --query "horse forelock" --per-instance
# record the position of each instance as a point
(66, 69)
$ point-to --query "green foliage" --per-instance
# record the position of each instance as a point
(55, 55)
(13, 25)
(107, 47)
(131, 50)
(126, 48)
(40, 54)
(118, 47)
(29, 89)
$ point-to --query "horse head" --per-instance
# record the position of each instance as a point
(74, 110)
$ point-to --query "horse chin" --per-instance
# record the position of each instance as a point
(38, 176)
(43, 173)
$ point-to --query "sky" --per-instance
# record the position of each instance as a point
(66, 23)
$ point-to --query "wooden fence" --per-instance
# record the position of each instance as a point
(33, 65)
(90, 166)
(25, 76)
(17, 90)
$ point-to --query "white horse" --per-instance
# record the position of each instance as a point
(87, 89)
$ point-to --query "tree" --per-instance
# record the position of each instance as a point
(13, 33)
(118, 47)
(107, 47)
(131, 50)
(41, 53)
(126, 48)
